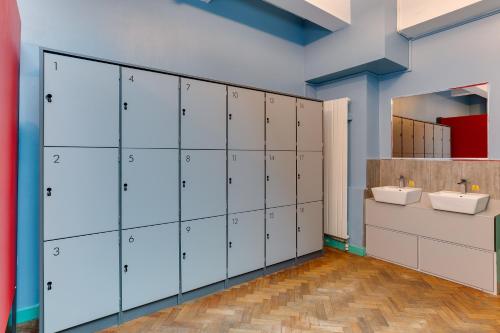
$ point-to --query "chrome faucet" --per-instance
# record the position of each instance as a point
(402, 181)
(464, 183)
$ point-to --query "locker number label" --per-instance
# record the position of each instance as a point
(188, 158)
(301, 105)
(131, 78)
(271, 157)
(57, 251)
(131, 158)
(55, 65)
(233, 157)
(188, 86)
(188, 229)
(131, 239)
(301, 209)
(235, 94)
(271, 215)
(235, 220)
(56, 158)
(301, 157)
(271, 100)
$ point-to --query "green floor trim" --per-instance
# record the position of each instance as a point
(27, 314)
(357, 250)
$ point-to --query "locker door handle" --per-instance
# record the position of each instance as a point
(298, 176)
(183, 183)
(230, 244)
(125, 186)
(298, 123)
(298, 229)
(267, 178)
(125, 106)
(183, 112)
(49, 191)
(125, 268)
(267, 236)
(184, 255)
(49, 285)
(48, 97)
(230, 180)
(230, 116)
(267, 120)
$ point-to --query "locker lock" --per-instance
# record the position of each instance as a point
(230, 180)
(125, 186)
(125, 268)
(230, 244)
(48, 97)
(183, 112)
(49, 191)
(184, 255)
(267, 236)
(230, 116)
(49, 285)
(267, 177)
(125, 106)
(298, 229)
(298, 123)
(267, 119)
(298, 176)
(183, 183)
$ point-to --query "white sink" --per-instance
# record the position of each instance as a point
(469, 203)
(397, 195)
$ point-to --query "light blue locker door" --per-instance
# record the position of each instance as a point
(246, 242)
(246, 111)
(309, 227)
(150, 109)
(246, 180)
(80, 191)
(280, 122)
(281, 178)
(309, 176)
(150, 270)
(203, 115)
(280, 234)
(80, 280)
(203, 254)
(309, 125)
(203, 183)
(150, 187)
(81, 102)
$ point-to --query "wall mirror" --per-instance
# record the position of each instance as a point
(445, 124)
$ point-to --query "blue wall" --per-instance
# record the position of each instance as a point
(185, 36)
(460, 56)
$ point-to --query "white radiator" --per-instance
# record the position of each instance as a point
(335, 121)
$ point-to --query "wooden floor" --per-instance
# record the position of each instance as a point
(336, 293)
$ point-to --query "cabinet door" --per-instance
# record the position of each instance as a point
(150, 109)
(280, 234)
(150, 187)
(280, 122)
(150, 270)
(309, 176)
(429, 140)
(246, 242)
(203, 183)
(245, 119)
(203, 115)
(309, 228)
(418, 139)
(245, 181)
(203, 254)
(281, 178)
(81, 102)
(446, 142)
(438, 141)
(407, 138)
(80, 194)
(80, 280)
(397, 143)
(309, 125)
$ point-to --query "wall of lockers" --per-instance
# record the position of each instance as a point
(155, 185)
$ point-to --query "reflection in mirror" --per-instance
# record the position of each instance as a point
(446, 124)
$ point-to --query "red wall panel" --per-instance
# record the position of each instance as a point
(469, 135)
(10, 29)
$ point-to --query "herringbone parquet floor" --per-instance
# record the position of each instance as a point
(338, 292)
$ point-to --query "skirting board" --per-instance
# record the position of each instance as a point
(357, 250)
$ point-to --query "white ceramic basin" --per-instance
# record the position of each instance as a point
(397, 195)
(469, 203)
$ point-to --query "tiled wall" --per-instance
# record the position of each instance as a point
(432, 175)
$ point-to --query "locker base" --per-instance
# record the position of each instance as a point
(203, 291)
(309, 256)
(279, 266)
(148, 308)
(93, 326)
(231, 282)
